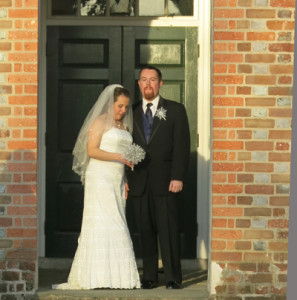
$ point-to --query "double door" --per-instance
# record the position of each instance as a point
(81, 61)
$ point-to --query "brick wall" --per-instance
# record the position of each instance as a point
(253, 49)
(18, 145)
(252, 101)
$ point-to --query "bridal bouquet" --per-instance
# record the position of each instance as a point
(134, 153)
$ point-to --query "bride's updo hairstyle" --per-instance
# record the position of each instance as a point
(99, 120)
(118, 91)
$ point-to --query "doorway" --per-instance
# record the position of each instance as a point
(80, 62)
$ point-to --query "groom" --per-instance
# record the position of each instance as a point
(161, 128)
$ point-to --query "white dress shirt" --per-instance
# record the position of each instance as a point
(154, 107)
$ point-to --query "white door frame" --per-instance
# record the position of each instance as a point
(203, 20)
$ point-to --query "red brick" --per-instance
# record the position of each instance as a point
(218, 245)
(23, 13)
(243, 223)
(285, 80)
(226, 234)
(5, 222)
(232, 36)
(244, 134)
(278, 223)
(22, 210)
(23, 35)
(259, 167)
(243, 245)
(279, 201)
(22, 57)
(258, 234)
(30, 243)
(229, 211)
(260, 13)
(20, 78)
(17, 145)
(280, 112)
(21, 232)
(227, 188)
(260, 36)
(280, 178)
(282, 3)
(260, 101)
(278, 246)
(227, 123)
(273, 156)
(229, 101)
(283, 91)
(260, 278)
(5, 46)
(227, 79)
(228, 13)
(26, 254)
(261, 79)
(222, 223)
(281, 69)
(259, 58)
(259, 146)
(245, 177)
(257, 212)
(227, 167)
(226, 256)
(21, 167)
(5, 68)
(21, 189)
(228, 145)
(259, 189)
(259, 123)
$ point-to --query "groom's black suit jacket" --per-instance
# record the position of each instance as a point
(167, 151)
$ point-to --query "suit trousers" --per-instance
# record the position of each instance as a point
(158, 220)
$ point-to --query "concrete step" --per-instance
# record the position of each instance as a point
(194, 285)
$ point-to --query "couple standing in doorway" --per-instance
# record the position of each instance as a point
(105, 257)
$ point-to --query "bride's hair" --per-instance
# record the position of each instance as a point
(102, 113)
(118, 91)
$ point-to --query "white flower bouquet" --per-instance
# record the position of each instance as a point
(134, 153)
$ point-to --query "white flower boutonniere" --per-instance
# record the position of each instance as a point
(161, 113)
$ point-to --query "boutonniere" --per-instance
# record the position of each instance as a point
(161, 113)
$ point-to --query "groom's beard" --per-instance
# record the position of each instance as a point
(149, 94)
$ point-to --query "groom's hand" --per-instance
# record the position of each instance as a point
(175, 186)
(126, 190)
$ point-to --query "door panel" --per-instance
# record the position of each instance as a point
(78, 69)
(80, 63)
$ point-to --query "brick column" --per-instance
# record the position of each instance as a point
(18, 146)
(252, 106)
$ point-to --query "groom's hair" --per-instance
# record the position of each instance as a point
(148, 67)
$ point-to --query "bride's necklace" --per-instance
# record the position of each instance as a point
(118, 124)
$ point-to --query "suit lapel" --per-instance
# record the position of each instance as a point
(139, 122)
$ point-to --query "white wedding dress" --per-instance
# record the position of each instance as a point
(104, 257)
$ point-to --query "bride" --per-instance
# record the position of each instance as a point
(104, 257)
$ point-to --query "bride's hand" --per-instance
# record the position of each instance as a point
(124, 161)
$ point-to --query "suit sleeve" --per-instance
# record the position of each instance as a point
(181, 145)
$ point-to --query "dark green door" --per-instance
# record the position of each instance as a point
(81, 61)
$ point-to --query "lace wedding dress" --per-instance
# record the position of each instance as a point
(104, 257)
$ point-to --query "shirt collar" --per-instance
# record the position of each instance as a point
(155, 103)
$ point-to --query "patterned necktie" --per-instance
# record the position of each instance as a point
(149, 114)
(149, 117)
